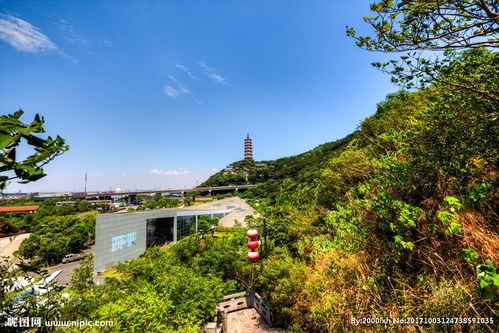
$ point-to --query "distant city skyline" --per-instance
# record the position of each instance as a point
(162, 94)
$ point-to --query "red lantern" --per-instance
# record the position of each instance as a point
(252, 233)
(253, 244)
(253, 255)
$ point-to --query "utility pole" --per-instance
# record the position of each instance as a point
(85, 190)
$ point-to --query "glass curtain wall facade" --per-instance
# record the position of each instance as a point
(186, 225)
(121, 237)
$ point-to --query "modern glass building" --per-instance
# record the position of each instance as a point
(125, 236)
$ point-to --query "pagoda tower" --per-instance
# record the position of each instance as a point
(248, 149)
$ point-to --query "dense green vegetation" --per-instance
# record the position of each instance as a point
(402, 222)
(158, 202)
(302, 166)
(245, 173)
(55, 230)
(55, 236)
(397, 220)
(172, 289)
(20, 221)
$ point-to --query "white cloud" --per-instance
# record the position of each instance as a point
(171, 92)
(181, 87)
(186, 70)
(124, 174)
(211, 72)
(70, 33)
(71, 59)
(105, 42)
(218, 78)
(175, 92)
(214, 170)
(96, 174)
(27, 38)
(178, 172)
(23, 36)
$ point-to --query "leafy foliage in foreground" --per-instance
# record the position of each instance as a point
(12, 132)
(413, 26)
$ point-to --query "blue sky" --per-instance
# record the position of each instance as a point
(161, 94)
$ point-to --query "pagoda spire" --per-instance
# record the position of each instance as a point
(248, 149)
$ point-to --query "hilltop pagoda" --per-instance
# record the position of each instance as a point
(248, 149)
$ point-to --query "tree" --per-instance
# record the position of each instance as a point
(206, 224)
(53, 247)
(12, 132)
(84, 206)
(414, 26)
(78, 235)
(29, 247)
(82, 277)
(6, 226)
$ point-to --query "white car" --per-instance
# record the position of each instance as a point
(70, 258)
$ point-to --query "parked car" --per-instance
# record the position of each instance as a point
(71, 257)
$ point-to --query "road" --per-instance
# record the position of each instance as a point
(64, 279)
(7, 247)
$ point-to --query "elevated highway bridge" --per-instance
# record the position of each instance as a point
(181, 192)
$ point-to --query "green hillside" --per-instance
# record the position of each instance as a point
(398, 219)
(299, 167)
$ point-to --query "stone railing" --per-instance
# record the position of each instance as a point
(236, 302)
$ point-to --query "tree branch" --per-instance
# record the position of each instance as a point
(490, 13)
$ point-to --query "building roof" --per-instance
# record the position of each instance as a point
(18, 209)
(235, 208)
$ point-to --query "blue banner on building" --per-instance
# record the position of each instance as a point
(123, 241)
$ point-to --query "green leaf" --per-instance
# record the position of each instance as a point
(484, 284)
(495, 279)
(409, 245)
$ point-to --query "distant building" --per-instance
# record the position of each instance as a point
(74, 203)
(61, 203)
(19, 209)
(248, 149)
(260, 165)
(232, 170)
